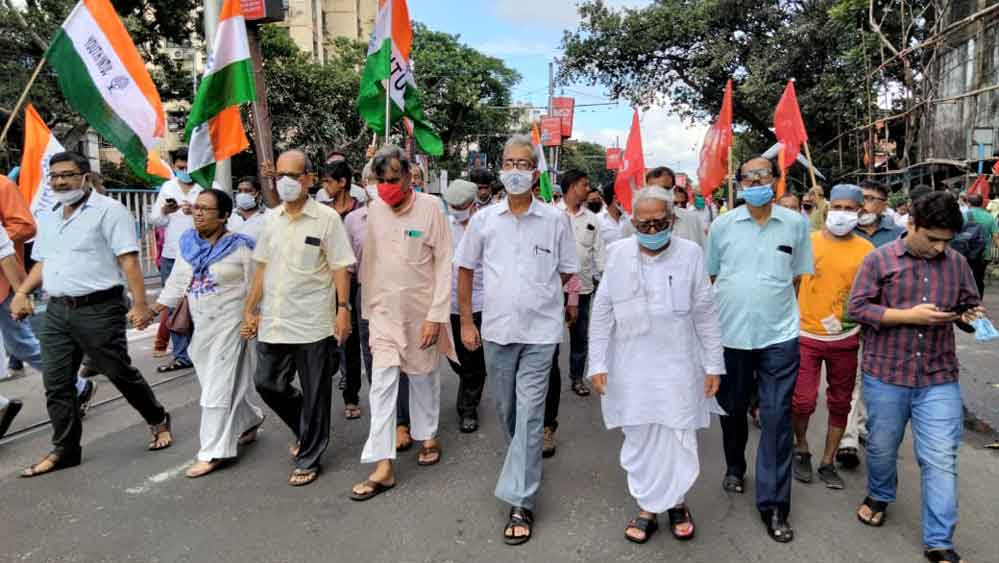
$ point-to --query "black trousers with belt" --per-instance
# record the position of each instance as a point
(306, 412)
(98, 330)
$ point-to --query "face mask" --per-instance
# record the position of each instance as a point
(246, 201)
(517, 181)
(289, 189)
(460, 215)
(391, 193)
(595, 206)
(840, 223)
(807, 207)
(69, 197)
(699, 202)
(654, 241)
(867, 219)
(183, 176)
(758, 196)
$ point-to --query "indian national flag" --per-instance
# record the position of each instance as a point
(39, 146)
(389, 64)
(539, 150)
(104, 78)
(214, 126)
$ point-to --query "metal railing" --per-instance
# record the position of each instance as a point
(140, 203)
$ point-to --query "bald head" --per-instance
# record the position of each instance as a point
(296, 165)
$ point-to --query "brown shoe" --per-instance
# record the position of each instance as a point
(548, 447)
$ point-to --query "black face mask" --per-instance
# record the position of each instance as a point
(595, 206)
(807, 207)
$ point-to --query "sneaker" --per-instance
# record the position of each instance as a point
(803, 467)
(829, 476)
(87, 396)
(548, 445)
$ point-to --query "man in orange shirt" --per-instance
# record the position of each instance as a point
(827, 334)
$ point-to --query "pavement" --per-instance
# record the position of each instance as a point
(126, 504)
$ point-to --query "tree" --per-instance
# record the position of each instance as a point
(588, 157)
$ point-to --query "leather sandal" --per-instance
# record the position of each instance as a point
(678, 516)
(158, 430)
(647, 526)
(56, 462)
(375, 489)
(519, 518)
(879, 512)
(426, 452)
(942, 556)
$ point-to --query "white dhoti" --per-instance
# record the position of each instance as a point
(424, 411)
(661, 463)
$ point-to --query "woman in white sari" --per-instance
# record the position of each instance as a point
(214, 270)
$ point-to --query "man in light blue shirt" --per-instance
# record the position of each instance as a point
(82, 249)
(756, 254)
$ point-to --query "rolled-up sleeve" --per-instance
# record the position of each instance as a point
(864, 306)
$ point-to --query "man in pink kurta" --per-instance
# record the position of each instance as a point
(406, 276)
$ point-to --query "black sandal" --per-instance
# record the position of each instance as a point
(158, 430)
(647, 526)
(519, 518)
(580, 388)
(877, 507)
(942, 556)
(733, 484)
(175, 365)
(376, 489)
(681, 515)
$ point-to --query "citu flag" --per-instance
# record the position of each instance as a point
(631, 175)
(790, 131)
(39, 146)
(713, 166)
(214, 126)
(389, 65)
(104, 78)
(981, 186)
(545, 180)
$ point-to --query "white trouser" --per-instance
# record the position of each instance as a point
(662, 465)
(856, 424)
(424, 411)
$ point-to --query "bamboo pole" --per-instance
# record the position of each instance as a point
(388, 110)
(811, 166)
(20, 100)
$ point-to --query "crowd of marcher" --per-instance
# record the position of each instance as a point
(677, 311)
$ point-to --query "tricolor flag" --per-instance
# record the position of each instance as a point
(545, 181)
(214, 127)
(389, 64)
(104, 78)
(39, 146)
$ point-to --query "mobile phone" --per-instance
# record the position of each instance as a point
(171, 201)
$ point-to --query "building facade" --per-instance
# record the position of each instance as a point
(312, 24)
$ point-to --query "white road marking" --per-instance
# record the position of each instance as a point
(135, 335)
(158, 479)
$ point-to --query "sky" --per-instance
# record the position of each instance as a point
(526, 35)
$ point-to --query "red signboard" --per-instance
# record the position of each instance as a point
(613, 159)
(563, 109)
(551, 131)
(262, 11)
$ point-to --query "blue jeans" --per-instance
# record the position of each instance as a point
(18, 338)
(936, 416)
(518, 381)
(178, 341)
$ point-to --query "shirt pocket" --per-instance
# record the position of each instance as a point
(309, 252)
(414, 248)
(777, 264)
(541, 264)
(679, 294)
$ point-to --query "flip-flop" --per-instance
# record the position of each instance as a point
(58, 462)
(428, 452)
(175, 365)
(158, 429)
(376, 489)
(311, 474)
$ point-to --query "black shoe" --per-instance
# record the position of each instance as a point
(848, 458)
(9, 414)
(778, 527)
(803, 467)
(829, 476)
(87, 396)
(88, 372)
(468, 425)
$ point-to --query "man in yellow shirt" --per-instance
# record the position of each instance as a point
(827, 334)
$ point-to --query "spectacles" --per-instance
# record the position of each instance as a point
(653, 225)
(199, 209)
(292, 175)
(874, 198)
(64, 176)
(510, 164)
(759, 174)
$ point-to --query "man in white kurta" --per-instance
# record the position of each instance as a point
(656, 356)
(406, 276)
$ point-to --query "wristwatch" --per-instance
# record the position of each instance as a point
(344, 306)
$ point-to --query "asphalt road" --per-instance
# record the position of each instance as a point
(126, 504)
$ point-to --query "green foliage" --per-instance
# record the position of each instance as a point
(588, 157)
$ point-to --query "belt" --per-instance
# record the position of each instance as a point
(97, 297)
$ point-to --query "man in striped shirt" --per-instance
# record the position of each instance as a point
(906, 295)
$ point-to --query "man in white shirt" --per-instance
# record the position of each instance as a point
(527, 252)
(688, 224)
(612, 219)
(471, 366)
(250, 212)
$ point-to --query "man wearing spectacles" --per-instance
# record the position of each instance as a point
(84, 246)
(756, 256)
(689, 225)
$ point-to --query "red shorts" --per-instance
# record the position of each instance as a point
(841, 358)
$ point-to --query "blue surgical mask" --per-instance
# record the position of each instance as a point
(758, 196)
(654, 241)
(184, 176)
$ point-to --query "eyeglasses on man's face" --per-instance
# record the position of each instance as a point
(519, 164)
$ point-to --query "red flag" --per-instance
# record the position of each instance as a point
(788, 126)
(632, 171)
(981, 186)
(713, 167)
(995, 169)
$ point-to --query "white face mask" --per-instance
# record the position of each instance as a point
(460, 215)
(246, 201)
(289, 189)
(517, 182)
(69, 197)
(866, 219)
(840, 223)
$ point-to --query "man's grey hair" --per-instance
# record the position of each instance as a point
(385, 155)
(655, 193)
(521, 141)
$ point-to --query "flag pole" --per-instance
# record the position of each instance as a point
(731, 181)
(811, 165)
(388, 111)
(20, 100)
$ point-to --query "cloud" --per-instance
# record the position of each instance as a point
(666, 140)
(561, 13)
